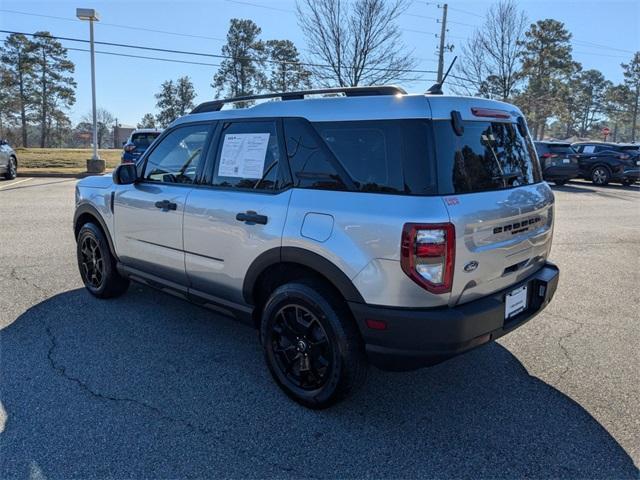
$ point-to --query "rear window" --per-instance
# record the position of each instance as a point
(561, 148)
(382, 156)
(143, 140)
(488, 156)
(630, 148)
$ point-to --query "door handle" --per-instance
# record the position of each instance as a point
(166, 205)
(251, 217)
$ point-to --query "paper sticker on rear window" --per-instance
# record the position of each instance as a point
(243, 155)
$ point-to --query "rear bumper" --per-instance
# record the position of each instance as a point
(561, 172)
(416, 338)
(128, 157)
(632, 174)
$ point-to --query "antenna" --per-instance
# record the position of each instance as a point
(436, 88)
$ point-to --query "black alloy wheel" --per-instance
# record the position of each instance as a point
(301, 347)
(92, 263)
(312, 344)
(12, 169)
(97, 265)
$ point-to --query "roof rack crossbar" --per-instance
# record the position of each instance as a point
(216, 105)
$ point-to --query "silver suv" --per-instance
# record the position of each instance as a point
(363, 226)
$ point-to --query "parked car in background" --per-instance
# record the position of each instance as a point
(379, 227)
(558, 160)
(608, 162)
(137, 144)
(8, 161)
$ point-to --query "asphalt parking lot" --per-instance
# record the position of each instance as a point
(148, 386)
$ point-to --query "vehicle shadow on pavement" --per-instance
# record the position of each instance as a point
(148, 386)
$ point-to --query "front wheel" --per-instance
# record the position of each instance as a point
(312, 346)
(627, 183)
(97, 265)
(600, 176)
(12, 169)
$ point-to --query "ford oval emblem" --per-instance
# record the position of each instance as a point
(471, 266)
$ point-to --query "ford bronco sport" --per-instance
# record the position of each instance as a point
(368, 226)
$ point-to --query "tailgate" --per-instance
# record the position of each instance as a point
(501, 237)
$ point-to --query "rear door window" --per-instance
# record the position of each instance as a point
(487, 156)
(312, 165)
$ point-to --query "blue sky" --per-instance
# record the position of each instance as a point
(605, 32)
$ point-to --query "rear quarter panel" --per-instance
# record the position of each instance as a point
(364, 239)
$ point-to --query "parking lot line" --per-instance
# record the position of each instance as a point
(15, 183)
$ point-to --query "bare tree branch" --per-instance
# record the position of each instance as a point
(491, 58)
(355, 43)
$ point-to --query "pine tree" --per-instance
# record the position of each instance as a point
(185, 94)
(546, 65)
(287, 74)
(632, 81)
(18, 59)
(167, 103)
(241, 73)
(54, 87)
(148, 121)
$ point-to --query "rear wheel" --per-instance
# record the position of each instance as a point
(96, 264)
(312, 346)
(600, 175)
(627, 183)
(12, 169)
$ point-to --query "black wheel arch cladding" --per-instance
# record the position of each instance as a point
(305, 258)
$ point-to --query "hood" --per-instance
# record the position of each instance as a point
(97, 181)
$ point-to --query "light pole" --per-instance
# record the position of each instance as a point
(91, 15)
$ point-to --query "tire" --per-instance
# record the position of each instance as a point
(560, 182)
(312, 345)
(97, 265)
(12, 169)
(600, 175)
(627, 183)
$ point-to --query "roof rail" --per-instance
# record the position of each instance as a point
(216, 105)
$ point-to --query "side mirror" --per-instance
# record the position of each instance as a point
(125, 174)
(3, 142)
(124, 143)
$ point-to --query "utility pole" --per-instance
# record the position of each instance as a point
(442, 43)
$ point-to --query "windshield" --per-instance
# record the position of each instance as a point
(487, 156)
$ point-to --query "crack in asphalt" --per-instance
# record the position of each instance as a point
(14, 275)
(565, 351)
(62, 371)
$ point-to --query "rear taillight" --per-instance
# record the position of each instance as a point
(129, 148)
(549, 155)
(427, 255)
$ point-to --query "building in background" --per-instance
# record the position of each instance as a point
(121, 134)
